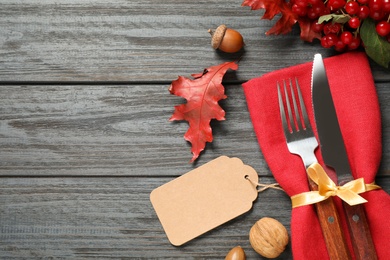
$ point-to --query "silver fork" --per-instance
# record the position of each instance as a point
(302, 142)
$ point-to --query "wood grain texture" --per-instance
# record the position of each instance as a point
(111, 130)
(107, 130)
(84, 130)
(363, 245)
(132, 41)
(110, 218)
(113, 218)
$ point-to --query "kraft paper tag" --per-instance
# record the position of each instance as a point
(204, 198)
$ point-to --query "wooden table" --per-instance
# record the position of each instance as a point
(84, 130)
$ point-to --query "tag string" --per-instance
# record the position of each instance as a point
(264, 187)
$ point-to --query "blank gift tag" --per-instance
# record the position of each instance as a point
(204, 198)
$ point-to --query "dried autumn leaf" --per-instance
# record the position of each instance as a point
(202, 94)
(307, 34)
(272, 8)
(287, 19)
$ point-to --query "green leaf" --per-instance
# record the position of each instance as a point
(377, 48)
(336, 18)
(325, 18)
(341, 18)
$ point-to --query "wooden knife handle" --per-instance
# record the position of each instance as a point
(363, 246)
(331, 228)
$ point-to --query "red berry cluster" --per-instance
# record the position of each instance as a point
(341, 29)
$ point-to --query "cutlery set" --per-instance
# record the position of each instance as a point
(301, 141)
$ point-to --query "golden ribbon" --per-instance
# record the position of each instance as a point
(349, 192)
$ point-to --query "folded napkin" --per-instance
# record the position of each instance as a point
(358, 111)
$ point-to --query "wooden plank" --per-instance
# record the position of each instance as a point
(85, 135)
(110, 130)
(113, 130)
(134, 41)
(111, 217)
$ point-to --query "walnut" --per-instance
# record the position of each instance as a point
(268, 237)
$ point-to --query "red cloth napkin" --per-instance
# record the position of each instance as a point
(357, 106)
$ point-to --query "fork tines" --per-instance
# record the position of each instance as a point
(297, 118)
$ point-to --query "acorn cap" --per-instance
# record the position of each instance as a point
(217, 36)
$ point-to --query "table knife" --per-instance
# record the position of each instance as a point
(335, 156)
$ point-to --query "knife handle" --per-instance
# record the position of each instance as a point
(331, 228)
(363, 246)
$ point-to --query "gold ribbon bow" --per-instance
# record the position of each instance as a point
(349, 192)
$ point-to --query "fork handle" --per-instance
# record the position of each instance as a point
(331, 228)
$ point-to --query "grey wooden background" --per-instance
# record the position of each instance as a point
(84, 130)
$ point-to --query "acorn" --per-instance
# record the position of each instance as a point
(236, 253)
(226, 39)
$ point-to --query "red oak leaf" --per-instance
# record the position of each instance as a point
(272, 8)
(202, 94)
(307, 34)
(286, 20)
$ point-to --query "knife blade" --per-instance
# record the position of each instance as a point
(335, 156)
